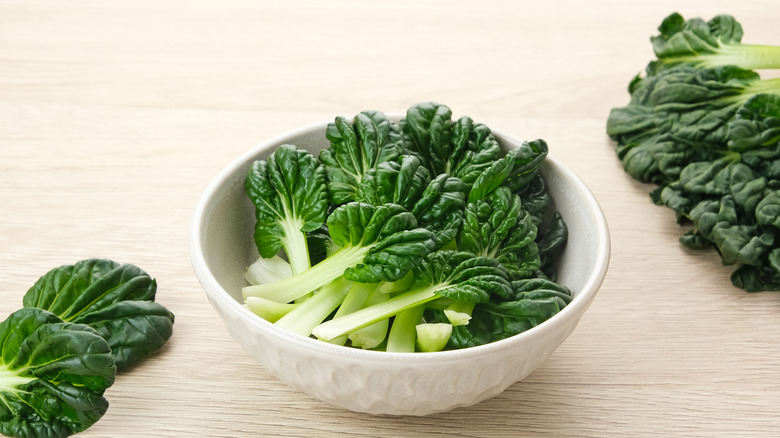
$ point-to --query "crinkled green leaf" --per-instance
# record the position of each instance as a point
(462, 149)
(464, 276)
(427, 130)
(290, 196)
(474, 148)
(528, 159)
(80, 292)
(535, 199)
(397, 243)
(399, 182)
(768, 210)
(52, 375)
(73, 290)
(498, 227)
(552, 242)
(355, 147)
(690, 41)
(133, 329)
(757, 123)
(440, 208)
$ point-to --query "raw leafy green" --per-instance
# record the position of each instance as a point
(356, 147)
(425, 214)
(463, 149)
(708, 44)
(114, 299)
(705, 128)
(375, 244)
(52, 375)
(533, 301)
(457, 276)
(499, 228)
(291, 198)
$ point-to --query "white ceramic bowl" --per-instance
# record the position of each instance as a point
(222, 246)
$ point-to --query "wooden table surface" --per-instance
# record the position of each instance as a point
(114, 116)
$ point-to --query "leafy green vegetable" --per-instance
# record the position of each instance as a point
(114, 299)
(423, 214)
(52, 375)
(533, 301)
(498, 227)
(705, 128)
(463, 149)
(458, 276)
(708, 44)
(355, 148)
(375, 244)
(291, 198)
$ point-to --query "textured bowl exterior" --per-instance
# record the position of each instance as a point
(221, 247)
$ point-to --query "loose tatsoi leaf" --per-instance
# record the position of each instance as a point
(708, 44)
(91, 292)
(375, 244)
(355, 147)
(69, 291)
(679, 116)
(52, 375)
(133, 329)
(498, 227)
(291, 198)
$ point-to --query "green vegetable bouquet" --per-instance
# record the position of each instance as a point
(418, 235)
(705, 128)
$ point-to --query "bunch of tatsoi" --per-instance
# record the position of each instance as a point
(704, 127)
(60, 352)
(419, 235)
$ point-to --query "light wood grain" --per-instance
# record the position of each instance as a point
(115, 115)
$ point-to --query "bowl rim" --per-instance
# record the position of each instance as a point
(215, 291)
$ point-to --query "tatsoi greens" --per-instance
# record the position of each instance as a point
(290, 199)
(52, 375)
(115, 299)
(80, 323)
(428, 226)
(705, 128)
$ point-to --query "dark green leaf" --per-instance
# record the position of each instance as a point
(133, 329)
(355, 147)
(498, 227)
(290, 197)
(464, 277)
(397, 243)
(52, 375)
(757, 123)
(494, 321)
(90, 292)
(399, 182)
(440, 208)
